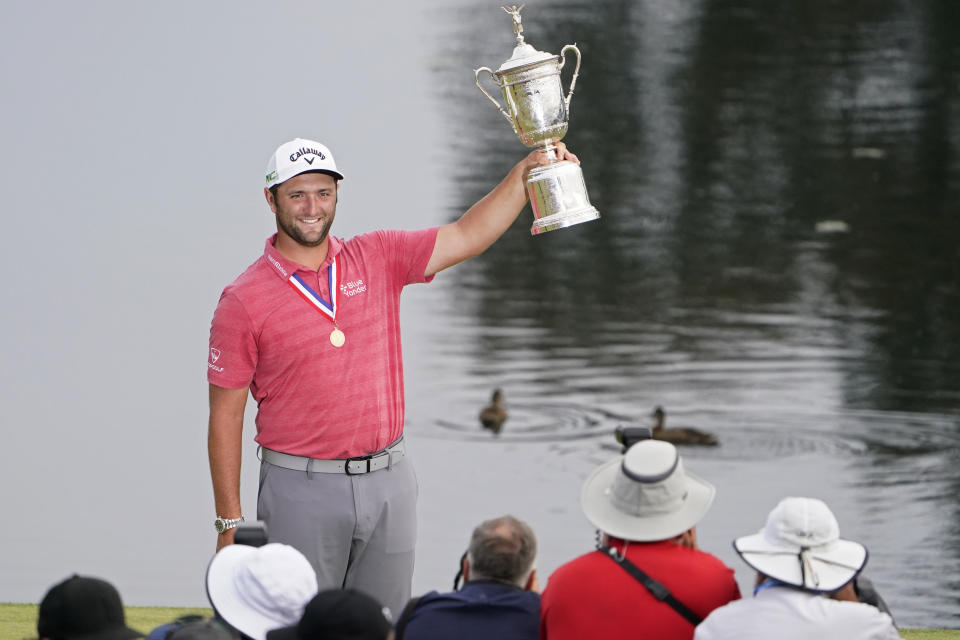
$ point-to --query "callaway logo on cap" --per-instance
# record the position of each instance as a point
(300, 156)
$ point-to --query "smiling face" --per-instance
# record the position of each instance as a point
(305, 206)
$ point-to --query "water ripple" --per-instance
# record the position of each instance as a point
(541, 422)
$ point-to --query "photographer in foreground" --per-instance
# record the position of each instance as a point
(647, 578)
(499, 596)
(806, 579)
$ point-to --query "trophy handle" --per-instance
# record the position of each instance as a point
(576, 71)
(476, 75)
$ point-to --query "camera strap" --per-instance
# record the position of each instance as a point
(404, 618)
(457, 578)
(656, 589)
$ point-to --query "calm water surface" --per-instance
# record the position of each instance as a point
(776, 262)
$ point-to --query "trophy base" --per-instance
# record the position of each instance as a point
(558, 197)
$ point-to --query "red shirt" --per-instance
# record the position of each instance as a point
(315, 399)
(593, 597)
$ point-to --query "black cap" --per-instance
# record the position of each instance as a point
(338, 614)
(81, 608)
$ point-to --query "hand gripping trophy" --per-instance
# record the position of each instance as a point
(538, 113)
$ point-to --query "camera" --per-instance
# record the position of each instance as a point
(628, 436)
(252, 534)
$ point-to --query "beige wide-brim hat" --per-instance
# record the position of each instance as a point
(256, 589)
(800, 545)
(645, 495)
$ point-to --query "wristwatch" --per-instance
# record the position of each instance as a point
(225, 524)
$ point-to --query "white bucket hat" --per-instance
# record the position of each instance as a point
(256, 589)
(645, 495)
(801, 546)
(300, 156)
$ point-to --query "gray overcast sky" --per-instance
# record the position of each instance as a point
(134, 141)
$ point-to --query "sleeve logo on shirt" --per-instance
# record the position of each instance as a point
(214, 356)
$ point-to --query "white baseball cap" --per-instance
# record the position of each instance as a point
(256, 589)
(800, 545)
(300, 156)
(645, 495)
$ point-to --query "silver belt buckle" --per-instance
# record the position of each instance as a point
(369, 460)
(349, 461)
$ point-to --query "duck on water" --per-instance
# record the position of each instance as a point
(494, 415)
(679, 435)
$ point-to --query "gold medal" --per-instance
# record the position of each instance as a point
(328, 309)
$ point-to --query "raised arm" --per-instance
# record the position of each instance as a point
(486, 220)
(224, 444)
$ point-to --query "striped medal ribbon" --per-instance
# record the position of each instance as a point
(328, 309)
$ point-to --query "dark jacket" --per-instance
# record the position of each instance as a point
(481, 610)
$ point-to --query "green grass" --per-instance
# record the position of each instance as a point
(19, 621)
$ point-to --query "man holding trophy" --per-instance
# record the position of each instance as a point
(311, 331)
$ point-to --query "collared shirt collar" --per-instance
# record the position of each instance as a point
(285, 268)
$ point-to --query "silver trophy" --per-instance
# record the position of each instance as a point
(538, 112)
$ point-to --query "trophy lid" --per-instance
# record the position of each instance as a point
(524, 55)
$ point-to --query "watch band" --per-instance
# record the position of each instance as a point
(222, 524)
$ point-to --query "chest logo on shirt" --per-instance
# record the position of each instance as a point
(353, 287)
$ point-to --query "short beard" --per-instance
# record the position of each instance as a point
(294, 233)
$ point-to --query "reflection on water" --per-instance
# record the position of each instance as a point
(778, 257)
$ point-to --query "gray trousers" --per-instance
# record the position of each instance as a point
(357, 531)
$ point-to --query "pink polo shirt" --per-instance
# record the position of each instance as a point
(315, 399)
